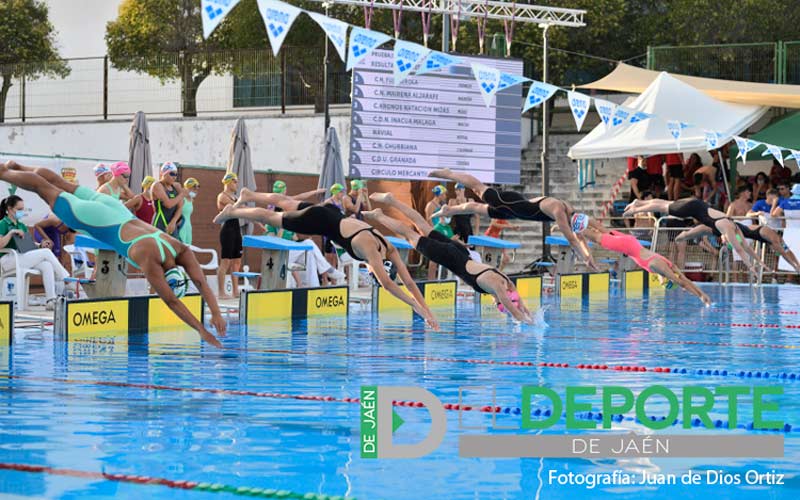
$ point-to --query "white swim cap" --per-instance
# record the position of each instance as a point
(178, 281)
(579, 223)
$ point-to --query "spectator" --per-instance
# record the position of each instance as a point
(117, 187)
(783, 191)
(692, 165)
(51, 233)
(760, 186)
(143, 205)
(102, 174)
(779, 173)
(168, 197)
(191, 185)
(12, 210)
(655, 169)
(465, 225)
(763, 210)
(675, 166)
(742, 205)
(640, 180)
(230, 237)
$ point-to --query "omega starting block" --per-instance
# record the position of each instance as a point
(275, 258)
(111, 269)
(491, 249)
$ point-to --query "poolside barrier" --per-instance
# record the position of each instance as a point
(297, 303)
(582, 285)
(638, 282)
(6, 322)
(438, 294)
(81, 320)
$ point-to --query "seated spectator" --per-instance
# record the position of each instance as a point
(761, 185)
(675, 164)
(779, 173)
(50, 233)
(762, 209)
(640, 180)
(12, 209)
(742, 205)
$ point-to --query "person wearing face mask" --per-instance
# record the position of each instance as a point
(760, 186)
(12, 210)
(191, 185)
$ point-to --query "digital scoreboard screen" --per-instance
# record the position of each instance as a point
(437, 120)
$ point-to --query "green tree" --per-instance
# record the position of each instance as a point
(27, 45)
(164, 39)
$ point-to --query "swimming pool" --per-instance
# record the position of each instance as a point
(138, 418)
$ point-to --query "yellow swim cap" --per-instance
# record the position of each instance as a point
(230, 177)
(148, 181)
(191, 182)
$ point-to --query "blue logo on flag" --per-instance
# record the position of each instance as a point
(212, 12)
(275, 30)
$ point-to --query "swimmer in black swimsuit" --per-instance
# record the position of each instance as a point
(697, 209)
(513, 205)
(764, 234)
(358, 238)
(448, 253)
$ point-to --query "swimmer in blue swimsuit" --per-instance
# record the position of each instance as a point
(106, 219)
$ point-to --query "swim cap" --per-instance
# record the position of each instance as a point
(177, 280)
(279, 187)
(230, 177)
(101, 169)
(191, 182)
(69, 174)
(460, 186)
(579, 223)
(120, 168)
(168, 166)
(336, 188)
(356, 184)
(439, 190)
(514, 296)
(148, 181)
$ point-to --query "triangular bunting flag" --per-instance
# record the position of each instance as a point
(213, 12)
(488, 80)
(278, 18)
(745, 146)
(508, 80)
(406, 57)
(436, 60)
(362, 42)
(795, 155)
(605, 109)
(538, 93)
(774, 151)
(712, 139)
(335, 30)
(675, 128)
(579, 105)
(621, 115)
(640, 116)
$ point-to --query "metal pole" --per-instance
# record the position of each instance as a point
(446, 33)
(543, 158)
(325, 78)
(105, 87)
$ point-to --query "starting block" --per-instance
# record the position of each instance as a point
(401, 245)
(275, 258)
(112, 269)
(491, 249)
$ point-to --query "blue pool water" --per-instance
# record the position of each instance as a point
(164, 405)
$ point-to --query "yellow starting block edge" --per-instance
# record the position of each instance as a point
(583, 285)
(6, 322)
(256, 306)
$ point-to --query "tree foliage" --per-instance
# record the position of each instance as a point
(27, 45)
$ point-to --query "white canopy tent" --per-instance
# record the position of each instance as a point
(668, 99)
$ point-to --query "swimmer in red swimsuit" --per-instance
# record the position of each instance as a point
(629, 245)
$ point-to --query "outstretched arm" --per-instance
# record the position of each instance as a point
(416, 300)
(189, 262)
(694, 232)
(578, 245)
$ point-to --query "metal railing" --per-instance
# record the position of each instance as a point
(236, 80)
(769, 62)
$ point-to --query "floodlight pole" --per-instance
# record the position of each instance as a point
(543, 158)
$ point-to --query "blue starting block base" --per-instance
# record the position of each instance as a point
(491, 249)
(399, 243)
(112, 269)
(274, 259)
(83, 241)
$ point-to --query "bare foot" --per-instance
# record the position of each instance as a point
(372, 214)
(245, 196)
(445, 211)
(442, 173)
(384, 198)
(224, 216)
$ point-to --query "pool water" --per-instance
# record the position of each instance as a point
(167, 407)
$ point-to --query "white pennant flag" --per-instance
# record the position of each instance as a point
(213, 12)
(538, 93)
(335, 30)
(508, 80)
(278, 18)
(488, 80)
(605, 109)
(406, 57)
(795, 155)
(621, 115)
(640, 116)
(362, 42)
(675, 128)
(774, 151)
(436, 60)
(579, 105)
(745, 146)
(712, 139)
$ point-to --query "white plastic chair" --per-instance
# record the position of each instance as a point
(211, 266)
(22, 275)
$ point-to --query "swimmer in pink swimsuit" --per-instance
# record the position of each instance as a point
(650, 261)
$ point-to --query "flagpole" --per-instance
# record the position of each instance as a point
(326, 65)
(543, 158)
